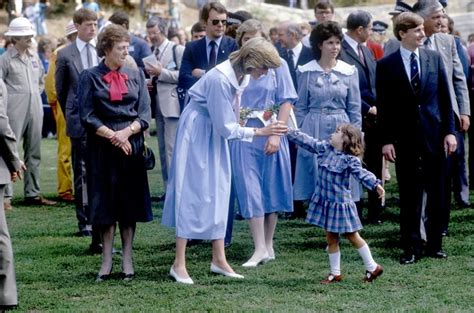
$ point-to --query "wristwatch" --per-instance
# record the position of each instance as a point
(132, 128)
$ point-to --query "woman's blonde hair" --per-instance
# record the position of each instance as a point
(255, 53)
(352, 140)
(250, 26)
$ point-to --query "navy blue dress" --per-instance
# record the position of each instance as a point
(117, 184)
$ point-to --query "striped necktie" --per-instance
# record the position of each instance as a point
(415, 74)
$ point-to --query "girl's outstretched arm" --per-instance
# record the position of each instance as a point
(307, 142)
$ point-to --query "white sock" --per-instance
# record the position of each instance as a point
(335, 262)
(366, 256)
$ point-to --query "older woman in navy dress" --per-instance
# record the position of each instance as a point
(328, 91)
(115, 109)
(261, 169)
(197, 197)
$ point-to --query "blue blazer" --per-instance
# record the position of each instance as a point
(195, 56)
(306, 56)
(366, 73)
(401, 112)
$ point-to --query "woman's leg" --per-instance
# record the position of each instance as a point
(218, 256)
(258, 235)
(270, 225)
(179, 264)
(107, 232)
(127, 233)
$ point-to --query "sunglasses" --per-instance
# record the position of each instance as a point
(215, 22)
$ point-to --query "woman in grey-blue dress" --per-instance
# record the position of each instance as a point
(198, 191)
(328, 91)
(261, 170)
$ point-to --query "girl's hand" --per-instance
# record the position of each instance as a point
(380, 191)
(121, 137)
(277, 128)
(272, 145)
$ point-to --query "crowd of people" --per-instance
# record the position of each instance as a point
(292, 121)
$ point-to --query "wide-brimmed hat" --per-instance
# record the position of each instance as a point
(70, 28)
(20, 26)
(401, 7)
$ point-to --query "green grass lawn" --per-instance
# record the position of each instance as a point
(55, 272)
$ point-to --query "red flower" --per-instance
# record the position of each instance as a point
(267, 115)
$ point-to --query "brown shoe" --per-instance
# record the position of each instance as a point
(39, 201)
(371, 276)
(67, 197)
(331, 279)
(7, 204)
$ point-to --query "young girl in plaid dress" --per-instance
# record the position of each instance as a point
(331, 206)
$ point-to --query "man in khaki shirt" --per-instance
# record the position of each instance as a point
(23, 74)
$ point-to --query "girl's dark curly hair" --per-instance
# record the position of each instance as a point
(322, 32)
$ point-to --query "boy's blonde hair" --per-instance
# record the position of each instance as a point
(352, 140)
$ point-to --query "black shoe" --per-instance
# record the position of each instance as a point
(127, 277)
(101, 278)
(408, 259)
(437, 254)
(95, 248)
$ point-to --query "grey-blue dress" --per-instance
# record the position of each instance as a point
(325, 100)
(263, 182)
(331, 206)
(198, 191)
(117, 184)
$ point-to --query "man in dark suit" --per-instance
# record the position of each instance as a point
(71, 61)
(417, 129)
(293, 51)
(353, 51)
(456, 171)
(202, 55)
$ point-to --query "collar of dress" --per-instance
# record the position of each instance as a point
(341, 67)
(226, 69)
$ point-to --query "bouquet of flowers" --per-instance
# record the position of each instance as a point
(266, 116)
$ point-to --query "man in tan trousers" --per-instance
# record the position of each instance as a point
(10, 169)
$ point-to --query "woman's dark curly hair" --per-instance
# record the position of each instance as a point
(322, 32)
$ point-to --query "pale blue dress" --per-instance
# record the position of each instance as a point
(198, 191)
(263, 182)
(325, 100)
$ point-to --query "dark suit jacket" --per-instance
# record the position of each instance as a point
(195, 56)
(366, 73)
(408, 121)
(68, 69)
(306, 56)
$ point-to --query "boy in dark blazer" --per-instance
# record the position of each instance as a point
(417, 129)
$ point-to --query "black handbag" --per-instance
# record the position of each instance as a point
(148, 157)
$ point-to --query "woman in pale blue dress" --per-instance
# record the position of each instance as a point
(198, 191)
(328, 91)
(261, 169)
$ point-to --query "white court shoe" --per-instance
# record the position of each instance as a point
(187, 281)
(264, 259)
(217, 270)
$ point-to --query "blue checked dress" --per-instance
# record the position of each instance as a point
(331, 206)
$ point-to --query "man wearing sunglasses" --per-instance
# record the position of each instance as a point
(202, 55)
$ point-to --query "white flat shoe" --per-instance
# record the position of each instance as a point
(263, 260)
(187, 281)
(217, 270)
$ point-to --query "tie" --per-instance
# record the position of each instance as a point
(361, 54)
(415, 74)
(291, 59)
(157, 53)
(212, 54)
(427, 44)
(89, 56)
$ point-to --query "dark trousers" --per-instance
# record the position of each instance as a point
(420, 179)
(456, 179)
(373, 162)
(78, 151)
